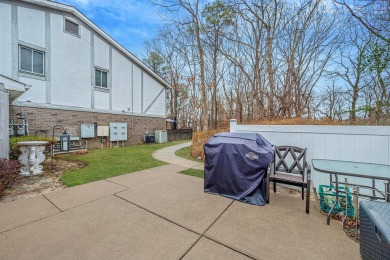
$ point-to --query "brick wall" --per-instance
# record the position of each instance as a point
(45, 119)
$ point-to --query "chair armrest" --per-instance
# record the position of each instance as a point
(308, 171)
(269, 168)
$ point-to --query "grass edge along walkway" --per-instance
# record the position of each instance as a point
(193, 172)
(185, 153)
(106, 163)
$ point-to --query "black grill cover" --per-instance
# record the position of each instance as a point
(236, 166)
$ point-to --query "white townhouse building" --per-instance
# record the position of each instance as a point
(76, 73)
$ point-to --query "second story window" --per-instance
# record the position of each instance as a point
(31, 60)
(101, 77)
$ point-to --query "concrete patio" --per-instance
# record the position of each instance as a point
(161, 214)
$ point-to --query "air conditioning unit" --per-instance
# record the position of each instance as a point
(161, 136)
(149, 139)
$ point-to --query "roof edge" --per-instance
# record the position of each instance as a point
(106, 36)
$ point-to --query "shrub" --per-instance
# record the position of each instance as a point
(199, 139)
(9, 170)
(14, 147)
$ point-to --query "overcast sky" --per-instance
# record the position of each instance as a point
(129, 22)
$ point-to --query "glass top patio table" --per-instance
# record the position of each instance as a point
(355, 169)
(371, 171)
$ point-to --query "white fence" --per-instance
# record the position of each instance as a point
(369, 144)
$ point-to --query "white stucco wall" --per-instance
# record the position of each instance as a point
(102, 100)
(70, 66)
(152, 89)
(101, 53)
(5, 40)
(159, 105)
(137, 89)
(36, 93)
(121, 82)
(4, 120)
(70, 62)
(31, 26)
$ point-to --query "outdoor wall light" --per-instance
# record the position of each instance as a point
(64, 141)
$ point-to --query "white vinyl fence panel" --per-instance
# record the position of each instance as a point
(369, 144)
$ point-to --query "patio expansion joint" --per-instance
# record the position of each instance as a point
(43, 195)
(203, 235)
(151, 212)
(192, 231)
(89, 202)
(117, 184)
(25, 224)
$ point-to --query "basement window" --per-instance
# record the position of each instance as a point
(31, 60)
(72, 27)
(101, 78)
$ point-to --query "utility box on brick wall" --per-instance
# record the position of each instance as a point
(103, 130)
(87, 130)
(118, 132)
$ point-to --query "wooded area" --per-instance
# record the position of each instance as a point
(278, 59)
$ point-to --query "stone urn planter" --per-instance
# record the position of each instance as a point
(31, 157)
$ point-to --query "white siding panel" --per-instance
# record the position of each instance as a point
(319, 147)
(101, 53)
(121, 82)
(286, 140)
(31, 26)
(363, 148)
(70, 66)
(137, 89)
(332, 146)
(276, 138)
(379, 149)
(266, 135)
(296, 139)
(5, 40)
(37, 92)
(347, 148)
(102, 100)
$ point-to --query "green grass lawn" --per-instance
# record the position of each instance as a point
(185, 153)
(193, 172)
(105, 163)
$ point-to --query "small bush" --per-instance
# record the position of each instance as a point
(199, 139)
(14, 147)
(9, 170)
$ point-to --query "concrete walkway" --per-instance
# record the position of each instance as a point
(168, 155)
(161, 214)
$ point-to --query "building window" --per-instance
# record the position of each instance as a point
(31, 60)
(101, 77)
(72, 27)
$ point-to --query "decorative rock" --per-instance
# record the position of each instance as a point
(32, 156)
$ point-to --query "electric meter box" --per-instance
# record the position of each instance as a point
(118, 132)
(87, 131)
(103, 130)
